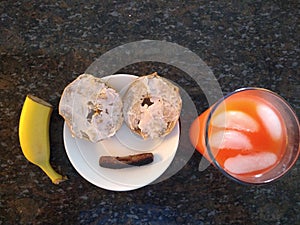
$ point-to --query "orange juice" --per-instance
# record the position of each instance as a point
(245, 134)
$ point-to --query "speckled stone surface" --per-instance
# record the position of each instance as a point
(46, 44)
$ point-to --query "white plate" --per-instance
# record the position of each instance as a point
(84, 155)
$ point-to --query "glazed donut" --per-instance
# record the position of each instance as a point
(91, 109)
(152, 106)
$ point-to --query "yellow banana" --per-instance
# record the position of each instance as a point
(34, 135)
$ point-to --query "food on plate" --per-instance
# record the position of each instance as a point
(91, 109)
(152, 106)
(34, 135)
(120, 162)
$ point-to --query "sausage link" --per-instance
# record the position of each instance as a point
(120, 162)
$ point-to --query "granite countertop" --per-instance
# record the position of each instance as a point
(46, 44)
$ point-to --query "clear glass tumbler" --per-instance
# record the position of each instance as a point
(251, 135)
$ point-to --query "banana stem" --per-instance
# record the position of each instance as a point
(52, 174)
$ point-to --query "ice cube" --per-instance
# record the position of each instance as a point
(236, 120)
(270, 121)
(241, 164)
(230, 139)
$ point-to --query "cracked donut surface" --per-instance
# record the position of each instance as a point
(152, 106)
(91, 109)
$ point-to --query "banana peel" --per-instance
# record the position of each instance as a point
(34, 135)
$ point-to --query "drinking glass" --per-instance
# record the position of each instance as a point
(251, 135)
